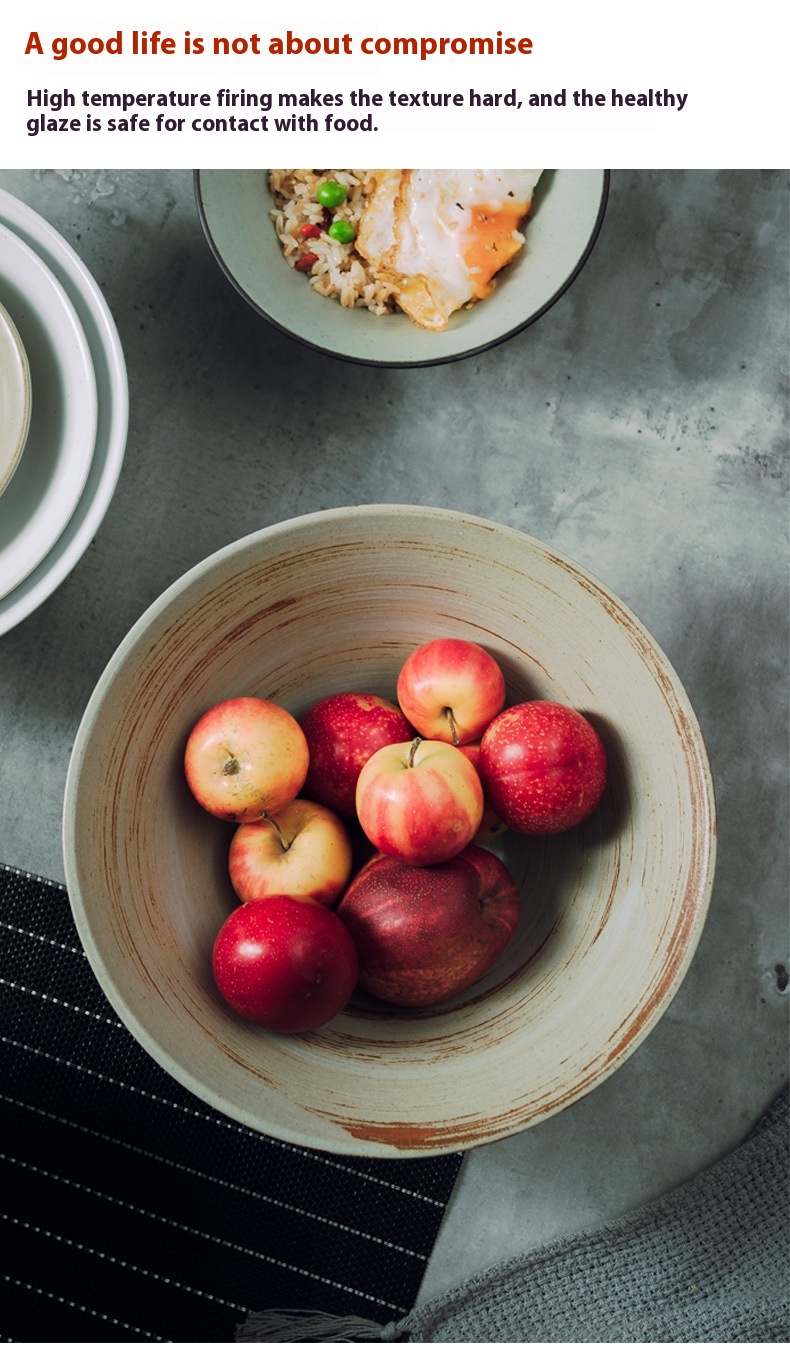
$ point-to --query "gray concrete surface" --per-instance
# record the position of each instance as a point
(640, 426)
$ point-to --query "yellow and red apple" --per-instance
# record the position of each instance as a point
(419, 802)
(304, 850)
(450, 690)
(244, 758)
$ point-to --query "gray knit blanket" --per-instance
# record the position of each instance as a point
(709, 1262)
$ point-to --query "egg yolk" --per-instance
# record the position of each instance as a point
(490, 244)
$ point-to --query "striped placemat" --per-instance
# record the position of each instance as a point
(132, 1211)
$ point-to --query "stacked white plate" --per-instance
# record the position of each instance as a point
(14, 398)
(66, 476)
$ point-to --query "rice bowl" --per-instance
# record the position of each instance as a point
(427, 242)
(234, 208)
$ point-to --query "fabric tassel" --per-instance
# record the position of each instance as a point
(305, 1325)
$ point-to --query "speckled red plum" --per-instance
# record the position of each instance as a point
(543, 767)
(424, 934)
(342, 732)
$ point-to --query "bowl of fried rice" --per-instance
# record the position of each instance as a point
(328, 256)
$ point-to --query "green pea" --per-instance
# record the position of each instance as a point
(342, 231)
(330, 193)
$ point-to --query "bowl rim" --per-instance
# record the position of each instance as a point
(403, 362)
(193, 1082)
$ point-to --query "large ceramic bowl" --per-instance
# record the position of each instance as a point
(567, 211)
(612, 911)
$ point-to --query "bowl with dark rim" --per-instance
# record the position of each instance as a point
(567, 212)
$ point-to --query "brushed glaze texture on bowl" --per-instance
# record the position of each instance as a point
(612, 911)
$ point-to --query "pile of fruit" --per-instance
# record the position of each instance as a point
(426, 782)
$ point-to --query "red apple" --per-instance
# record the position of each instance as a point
(285, 963)
(245, 757)
(425, 933)
(342, 732)
(543, 767)
(302, 850)
(491, 826)
(420, 802)
(451, 690)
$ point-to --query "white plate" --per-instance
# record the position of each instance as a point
(51, 476)
(14, 398)
(113, 409)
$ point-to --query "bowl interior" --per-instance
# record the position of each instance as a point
(567, 211)
(15, 398)
(611, 911)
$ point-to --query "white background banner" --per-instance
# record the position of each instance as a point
(566, 84)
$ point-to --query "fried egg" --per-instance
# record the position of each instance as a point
(439, 236)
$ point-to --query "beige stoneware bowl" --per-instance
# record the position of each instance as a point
(612, 911)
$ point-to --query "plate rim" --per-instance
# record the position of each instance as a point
(77, 429)
(21, 372)
(113, 400)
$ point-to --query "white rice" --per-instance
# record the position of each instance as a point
(339, 271)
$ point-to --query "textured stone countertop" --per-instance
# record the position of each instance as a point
(639, 426)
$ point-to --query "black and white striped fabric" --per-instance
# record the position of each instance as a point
(133, 1212)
